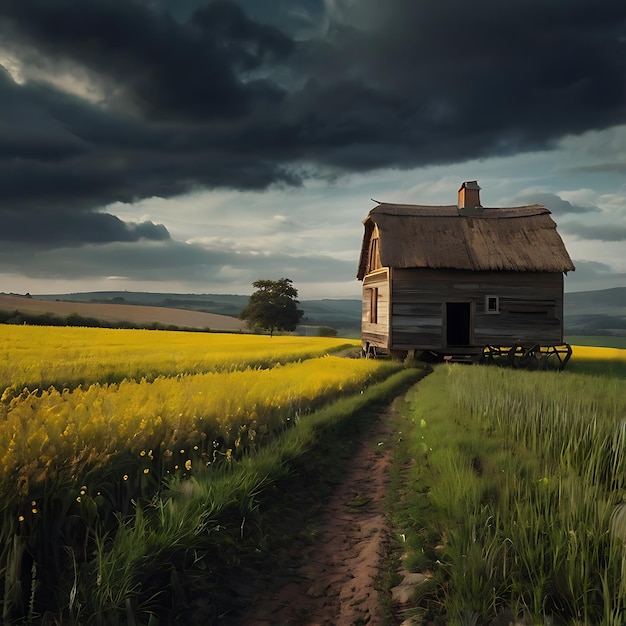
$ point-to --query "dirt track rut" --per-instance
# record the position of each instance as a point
(336, 582)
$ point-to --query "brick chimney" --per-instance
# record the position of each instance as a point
(469, 195)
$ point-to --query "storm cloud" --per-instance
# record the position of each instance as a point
(168, 261)
(220, 99)
(604, 232)
(75, 228)
(115, 101)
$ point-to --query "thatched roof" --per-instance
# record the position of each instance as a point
(521, 239)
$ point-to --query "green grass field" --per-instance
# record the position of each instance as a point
(601, 342)
(514, 501)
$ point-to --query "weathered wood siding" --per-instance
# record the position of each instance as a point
(530, 307)
(376, 331)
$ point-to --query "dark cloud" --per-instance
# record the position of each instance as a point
(233, 94)
(555, 204)
(603, 168)
(168, 261)
(62, 228)
(433, 82)
(598, 232)
(591, 276)
(60, 153)
(164, 69)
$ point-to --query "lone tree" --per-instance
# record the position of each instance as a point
(273, 306)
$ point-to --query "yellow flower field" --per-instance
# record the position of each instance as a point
(164, 423)
(99, 426)
(77, 399)
(598, 354)
(51, 426)
(40, 356)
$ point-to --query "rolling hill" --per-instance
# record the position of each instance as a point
(601, 312)
(120, 312)
(342, 315)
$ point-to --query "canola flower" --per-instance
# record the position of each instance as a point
(40, 356)
(86, 428)
(598, 354)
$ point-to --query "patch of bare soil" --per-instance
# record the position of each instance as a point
(335, 583)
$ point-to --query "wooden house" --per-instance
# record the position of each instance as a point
(452, 280)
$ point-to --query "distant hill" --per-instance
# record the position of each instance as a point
(119, 312)
(342, 315)
(604, 301)
(601, 312)
(220, 304)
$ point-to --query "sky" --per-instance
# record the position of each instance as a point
(195, 146)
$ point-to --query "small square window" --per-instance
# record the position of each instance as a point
(492, 304)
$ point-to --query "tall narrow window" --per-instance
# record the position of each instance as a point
(492, 304)
(374, 305)
(374, 257)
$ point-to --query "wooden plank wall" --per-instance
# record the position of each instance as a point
(376, 333)
(531, 306)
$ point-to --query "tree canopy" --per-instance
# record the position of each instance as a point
(273, 306)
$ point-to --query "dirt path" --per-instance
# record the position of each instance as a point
(335, 585)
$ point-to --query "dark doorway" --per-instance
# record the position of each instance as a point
(458, 323)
